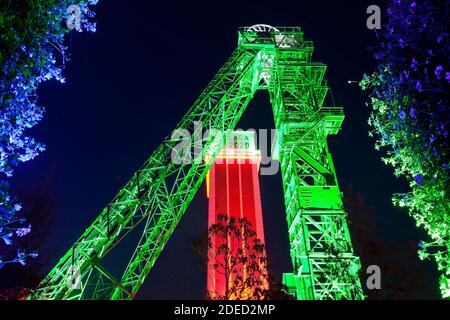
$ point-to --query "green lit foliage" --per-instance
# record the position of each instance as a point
(32, 51)
(409, 96)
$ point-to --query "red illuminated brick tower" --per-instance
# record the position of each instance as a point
(233, 190)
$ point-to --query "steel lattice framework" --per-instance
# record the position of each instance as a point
(158, 194)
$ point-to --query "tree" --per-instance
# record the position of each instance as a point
(32, 51)
(402, 277)
(38, 209)
(232, 249)
(409, 96)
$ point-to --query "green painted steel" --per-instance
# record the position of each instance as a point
(158, 194)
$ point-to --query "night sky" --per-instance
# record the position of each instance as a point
(131, 82)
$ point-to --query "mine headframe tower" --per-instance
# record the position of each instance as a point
(157, 195)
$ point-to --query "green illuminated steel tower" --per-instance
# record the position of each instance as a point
(158, 194)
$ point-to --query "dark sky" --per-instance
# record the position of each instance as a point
(132, 81)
